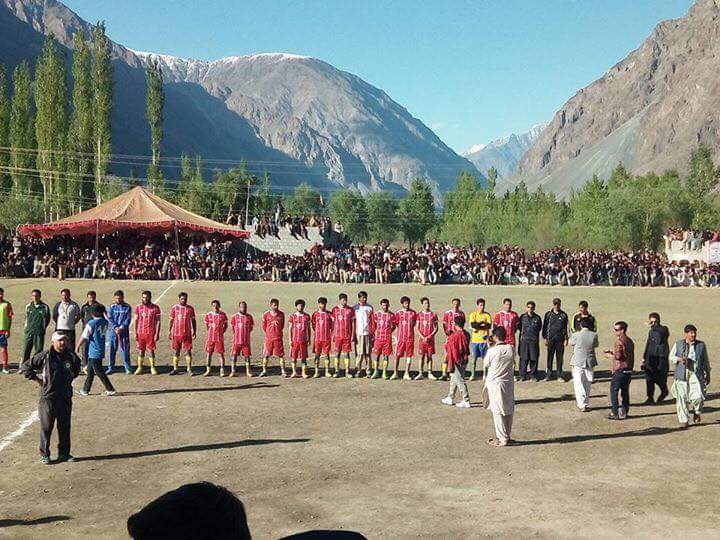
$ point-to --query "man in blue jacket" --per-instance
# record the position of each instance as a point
(119, 316)
(94, 335)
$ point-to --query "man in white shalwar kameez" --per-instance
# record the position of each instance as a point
(499, 390)
(692, 374)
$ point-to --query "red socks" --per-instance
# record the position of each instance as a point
(4, 357)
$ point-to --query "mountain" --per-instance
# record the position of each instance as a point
(297, 117)
(648, 112)
(504, 154)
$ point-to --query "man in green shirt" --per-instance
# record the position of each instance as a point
(37, 318)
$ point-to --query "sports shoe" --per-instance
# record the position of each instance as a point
(622, 415)
(108, 371)
(464, 404)
(45, 460)
(207, 372)
(419, 377)
(446, 401)
(153, 370)
(6, 371)
(82, 392)
(432, 377)
(613, 416)
(66, 458)
(173, 371)
(139, 370)
(110, 392)
(394, 376)
(407, 376)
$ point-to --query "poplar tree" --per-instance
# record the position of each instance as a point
(102, 92)
(22, 131)
(5, 180)
(51, 124)
(154, 111)
(80, 169)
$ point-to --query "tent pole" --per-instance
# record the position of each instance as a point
(97, 240)
(177, 240)
(247, 204)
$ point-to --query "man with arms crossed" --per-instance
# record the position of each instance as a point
(481, 324)
(119, 316)
(529, 350)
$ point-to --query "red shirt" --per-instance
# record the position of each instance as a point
(147, 319)
(405, 320)
(449, 319)
(383, 325)
(456, 349)
(216, 324)
(182, 317)
(273, 325)
(322, 323)
(299, 324)
(509, 320)
(242, 325)
(426, 323)
(343, 322)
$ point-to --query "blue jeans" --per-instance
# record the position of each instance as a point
(620, 382)
(124, 342)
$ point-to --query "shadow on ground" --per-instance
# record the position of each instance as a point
(30, 522)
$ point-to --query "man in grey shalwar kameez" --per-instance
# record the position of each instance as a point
(692, 374)
(499, 390)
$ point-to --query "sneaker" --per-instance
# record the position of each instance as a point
(108, 371)
(128, 372)
(110, 392)
(153, 370)
(407, 376)
(82, 392)
(45, 460)
(622, 415)
(173, 372)
(446, 401)
(83, 371)
(613, 416)
(432, 377)
(419, 377)
(463, 404)
(67, 458)
(6, 371)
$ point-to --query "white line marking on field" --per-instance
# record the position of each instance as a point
(10, 437)
(34, 417)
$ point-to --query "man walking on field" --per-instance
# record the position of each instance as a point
(216, 323)
(692, 375)
(427, 325)
(456, 356)
(406, 318)
(623, 359)
(183, 329)
(499, 390)
(343, 327)
(322, 325)
(583, 362)
(242, 324)
(147, 329)
(299, 324)
(273, 324)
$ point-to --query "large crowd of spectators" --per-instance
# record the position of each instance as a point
(125, 257)
(689, 239)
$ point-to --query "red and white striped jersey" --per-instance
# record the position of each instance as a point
(182, 318)
(299, 324)
(383, 324)
(322, 323)
(216, 324)
(242, 325)
(426, 321)
(405, 320)
(449, 318)
(273, 324)
(147, 319)
(343, 322)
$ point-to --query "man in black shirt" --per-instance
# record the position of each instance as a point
(655, 360)
(555, 334)
(583, 313)
(529, 350)
(59, 365)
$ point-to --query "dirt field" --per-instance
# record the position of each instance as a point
(384, 458)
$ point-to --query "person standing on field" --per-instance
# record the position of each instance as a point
(85, 317)
(427, 325)
(623, 359)
(405, 319)
(322, 325)
(456, 355)
(448, 322)
(119, 315)
(655, 360)
(556, 335)
(183, 330)
(58, 366)
(343, 330)
(583, 313)
(529, 350)
(383, 326)
(692, 375)
(481, 324)
(583, 362)
(273, 324)
(37, 319)
(216, 322)
(94, 335)
(363, 334)
(499, 390)
(6, 317)
(66, 314)
(147, 330)
(299, 324)
(242, 324)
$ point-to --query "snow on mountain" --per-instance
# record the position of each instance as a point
(504, 153)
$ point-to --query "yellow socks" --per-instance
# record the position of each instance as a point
(138, 371)
(153, 370)
(176, 362)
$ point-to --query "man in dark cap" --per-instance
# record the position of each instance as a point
(555, 333)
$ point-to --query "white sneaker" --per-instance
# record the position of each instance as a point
(109, 392)
(82, 392)
(446, 401)
(463, 405)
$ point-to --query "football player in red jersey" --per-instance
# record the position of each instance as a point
(405, 320)
(183, 329)
(299, 324)
(343, 330)
(216, 322)
(242, 324)
(147, 329)
(448, 325)
(273, 324)
(427, 326)
(322, 324)
(383, 325)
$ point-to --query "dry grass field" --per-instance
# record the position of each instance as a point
(383, 458)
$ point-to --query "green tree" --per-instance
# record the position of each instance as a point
(703, 176)
(5, 179)
(304, 201)
(348, 208)
(263, 201)
(51, 125)
(102, 89)
(22, 131)
(81, 190)
(382, 209)
(417, 212)
(155, 104)
(492, 176)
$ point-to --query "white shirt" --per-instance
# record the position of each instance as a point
(362, 319)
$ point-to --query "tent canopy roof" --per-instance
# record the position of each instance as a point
(136, 210)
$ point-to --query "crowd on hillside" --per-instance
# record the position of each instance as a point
(123, 257)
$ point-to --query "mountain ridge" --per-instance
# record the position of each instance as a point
(504, 153)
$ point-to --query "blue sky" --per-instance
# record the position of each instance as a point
(471, 70)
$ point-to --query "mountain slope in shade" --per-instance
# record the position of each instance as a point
(650, 111)
(296, 117)
(504, 154)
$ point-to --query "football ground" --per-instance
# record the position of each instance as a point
(383, 458)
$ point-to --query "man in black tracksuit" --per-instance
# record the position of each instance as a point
(529, 350)
(655, 360)
(555, 333)
(58, 365)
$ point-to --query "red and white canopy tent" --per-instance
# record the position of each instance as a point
(135, 210)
